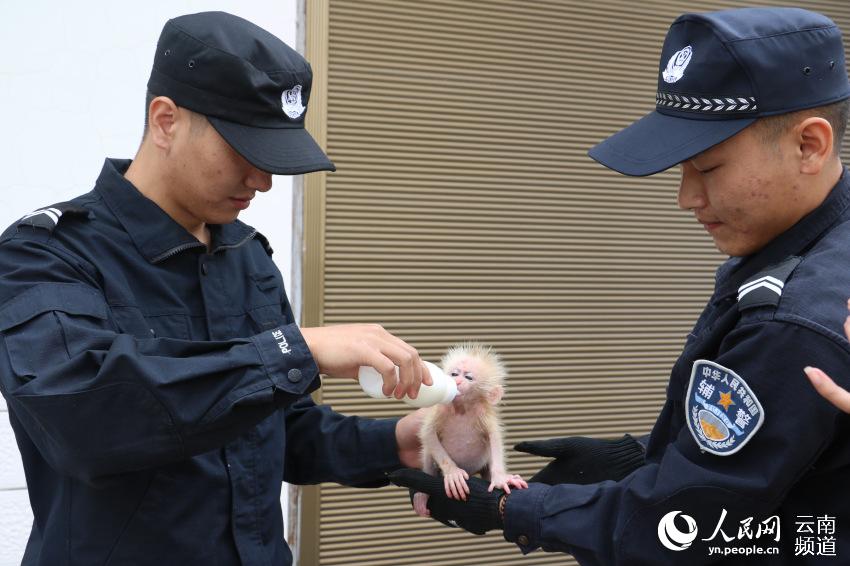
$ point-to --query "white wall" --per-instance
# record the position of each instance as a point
(72, 88)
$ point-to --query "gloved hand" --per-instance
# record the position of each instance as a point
(478, 514)
(584, 460)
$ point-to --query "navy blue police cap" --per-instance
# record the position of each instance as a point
(253, 88)
(719, 72)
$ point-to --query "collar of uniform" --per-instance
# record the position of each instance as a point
(791, 242)
(153, 231)
(231, 235)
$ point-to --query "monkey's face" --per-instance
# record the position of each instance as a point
(467, 375)
(478, 373)
(464, 372)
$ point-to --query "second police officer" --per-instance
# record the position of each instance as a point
(752, 106)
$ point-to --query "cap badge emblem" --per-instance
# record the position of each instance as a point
(291, 100)
(677, 64)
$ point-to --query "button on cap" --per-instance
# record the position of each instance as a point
(294, 375)
(522, 539)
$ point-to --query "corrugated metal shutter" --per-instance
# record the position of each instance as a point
(465, 207)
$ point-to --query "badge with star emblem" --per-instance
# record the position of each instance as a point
(723, 413)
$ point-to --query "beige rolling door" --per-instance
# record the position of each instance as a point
(465, 207)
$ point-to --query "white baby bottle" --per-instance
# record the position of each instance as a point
(442, 391)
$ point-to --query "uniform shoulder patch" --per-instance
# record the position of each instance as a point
(723, 413)
(765, 287)
(48, 217)
(265, 242)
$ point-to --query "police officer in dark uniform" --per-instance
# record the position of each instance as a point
(156, 380)
(825, 385)
(752, 106)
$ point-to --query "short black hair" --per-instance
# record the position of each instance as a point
(837, 114)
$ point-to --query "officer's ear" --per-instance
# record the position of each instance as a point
(163, 118)
(814, 138)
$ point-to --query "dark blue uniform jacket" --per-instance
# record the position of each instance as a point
(158, 391)
(797, 464)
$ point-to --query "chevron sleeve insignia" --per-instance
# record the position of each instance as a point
(765, 287)
(48, 217)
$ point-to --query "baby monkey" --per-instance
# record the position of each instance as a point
(465, 437)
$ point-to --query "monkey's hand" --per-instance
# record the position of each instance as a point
(585, 460)
(478, 514)
(455, 483)
(420, 504)
(506, 481)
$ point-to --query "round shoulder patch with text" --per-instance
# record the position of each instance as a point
(723, 413)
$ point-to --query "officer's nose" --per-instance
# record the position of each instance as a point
(259, 180)
(691, 188)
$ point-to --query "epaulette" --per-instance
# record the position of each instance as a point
(48, 218)
(265, 242)
(765, 287)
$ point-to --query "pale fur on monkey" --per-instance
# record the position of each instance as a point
(465, 437)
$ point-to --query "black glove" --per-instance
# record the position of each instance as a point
(584, 460)
(478, 514)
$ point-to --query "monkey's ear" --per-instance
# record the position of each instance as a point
(495, 395)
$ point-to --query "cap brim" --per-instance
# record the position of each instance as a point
(657, 142)
(281, 151)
